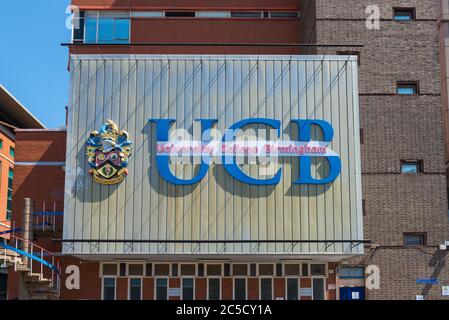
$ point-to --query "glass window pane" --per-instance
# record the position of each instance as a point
(121, 31)
(188, 270)
(291, 269)
(414, 239)
(91, 30)
(109, 288)
(407, 90)
(292, 289)
(161, 289)
(110, 269)
(240, 289)
(409, 168)
(240, 270)
(162, 270)
(135, 269)
(266, 289)
(351, 272)
(187, 289)
(246, 14)
(214, 270)
(12, 151)
(214, 289)
(105, 30)
(265, 269)
(318, 269)
(318, 289)
(135, 289)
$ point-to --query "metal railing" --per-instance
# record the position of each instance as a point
(48, 214)
(37, 261)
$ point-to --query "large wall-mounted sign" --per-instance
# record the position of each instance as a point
(108, 152)
(228, 150)
(224, 147)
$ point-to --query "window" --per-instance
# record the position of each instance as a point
(213, 289)
(351, 273)
(266, 289)
(109, 269)
(161, 289)
(415, 239)
(305, 270)
(12, 152)
(214, 270)
(411, 167)
(240, 270)
(407, 88)
(292, 289)
(162, 270)
(188, 270)
(1, 143)
(122, 269)
(180, 14)
(284, 15)
(246, 14)
(107, 27)
(135, 269)
(404, 14)
(291, 270)
(147, 14)
(135, 289)
(213, 14)
(266, 270)
(108, 288)
(9, 196)
(318, 289)
(149, 270)
(318, 269)
(239, 289)
(187, 289)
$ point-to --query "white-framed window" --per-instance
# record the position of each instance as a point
(188, 269)
(135, 288)
(108, 291)
(213, 14)
(109, 269)
(135, 269)
(265, 269)
(213, 288)
(266, 288)
(161, 289)
(147, 14)
(107, 27)
(240, 269)
(240, 289)
(214, 269)
(318, 269)
(188, 288)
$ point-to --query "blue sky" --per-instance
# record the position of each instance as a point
(33, 65)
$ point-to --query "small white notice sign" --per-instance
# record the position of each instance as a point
(355, 296)
(445, 290)
(419, 297)
(174, 292)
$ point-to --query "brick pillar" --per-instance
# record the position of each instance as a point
(122, 289)
(227, 288)
(148, 289)
(253, 289)
(279, 288)
(201, 288)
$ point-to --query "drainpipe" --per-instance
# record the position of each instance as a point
(27, 226)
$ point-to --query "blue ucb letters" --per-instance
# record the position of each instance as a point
(305, 162)
(229, 164)
(229, 161)
(162, 131)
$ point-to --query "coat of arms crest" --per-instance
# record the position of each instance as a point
(108, 152)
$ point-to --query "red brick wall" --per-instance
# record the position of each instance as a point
(227, 289)
(279, 288)
(201, 289)
(5, 164)
(148, 289)
(174, 283)
(90, 281)
(253, 289)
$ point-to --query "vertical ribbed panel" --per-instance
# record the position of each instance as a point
(132, 89)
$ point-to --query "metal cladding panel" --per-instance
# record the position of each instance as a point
(132, 89)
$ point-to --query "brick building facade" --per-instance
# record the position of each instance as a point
(401, 122)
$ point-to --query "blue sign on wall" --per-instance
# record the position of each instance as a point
(427, 281)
